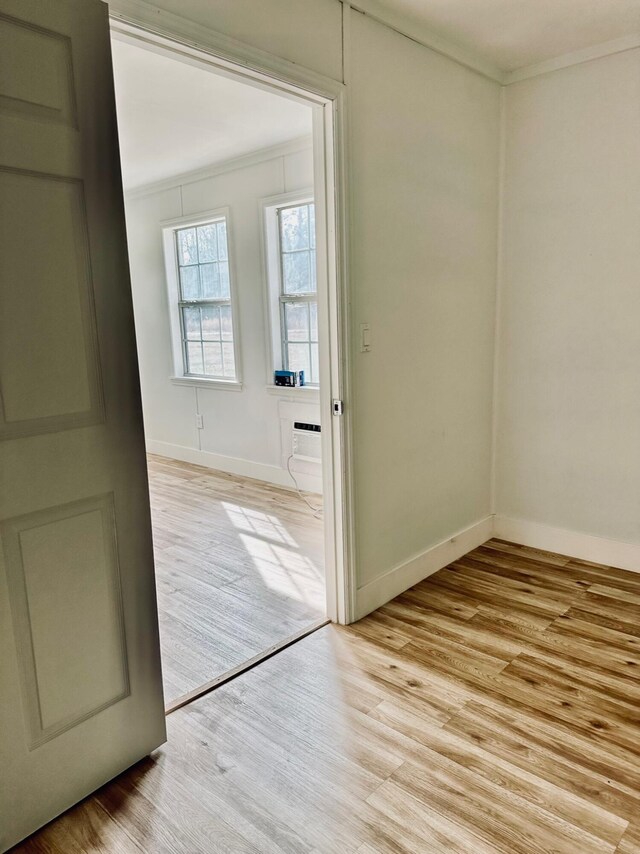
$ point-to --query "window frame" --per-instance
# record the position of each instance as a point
(176, 303)
(276, 296)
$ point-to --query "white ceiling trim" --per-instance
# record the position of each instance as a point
(303, 143)
(143, 13)
(576, 58)
(423, 35)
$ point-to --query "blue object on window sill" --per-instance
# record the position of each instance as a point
(290, 379)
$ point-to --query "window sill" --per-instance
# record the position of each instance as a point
(307, 392)
(203, 382)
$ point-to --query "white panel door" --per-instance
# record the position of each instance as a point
(80, 682)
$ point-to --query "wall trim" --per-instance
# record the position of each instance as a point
(233, 164)
(597, 51)
(163, 22)
(394, 582)
(573, 544)
(146, 14)
(570, 543)
(423, 35)
(235, 465)
(188, 35)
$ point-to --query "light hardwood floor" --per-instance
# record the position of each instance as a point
(239, 567)
(492, 708)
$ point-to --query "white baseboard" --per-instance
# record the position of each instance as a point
(569, 543)
(235, 465)
(394, 582)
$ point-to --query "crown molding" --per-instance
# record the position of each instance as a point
(144, 14)
(423, 35)
(282, 149)
(566, 60)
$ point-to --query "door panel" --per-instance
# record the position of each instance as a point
(51, 611)
(47, 324)
(80, 682)
(44, 90)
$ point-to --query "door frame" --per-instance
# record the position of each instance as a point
(135, 21)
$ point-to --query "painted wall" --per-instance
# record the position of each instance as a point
(307, 32)
(423, 190)
(569, 391)
(424, 133)
(243, 430)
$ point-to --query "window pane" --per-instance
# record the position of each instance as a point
(226, 325)
(223, 252)
(187, 249)
(312, 262)
(294, 228)
(203, 268)
(313, 308)
(315, 372)
(299, 359)
(229, 360)
(210, 279)
(194, 358)
(296, 321)
(189, 283)
(211, 322)
(296, 273)
(212, 359)
(191, 322)
(225, 287)
(207, 243)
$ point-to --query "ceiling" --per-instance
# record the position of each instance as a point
(513, 34)
(175, 118)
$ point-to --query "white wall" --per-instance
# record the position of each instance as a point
(424, 175)
(569, 392)
(424, 155)
(307, 32)
(243, 430)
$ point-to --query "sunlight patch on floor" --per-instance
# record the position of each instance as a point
(255, 521)
(285, 572)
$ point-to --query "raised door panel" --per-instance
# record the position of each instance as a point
(41, 90)
(66, 603)
(49, 367)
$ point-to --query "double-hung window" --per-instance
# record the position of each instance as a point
(204, 305)
(298, 298)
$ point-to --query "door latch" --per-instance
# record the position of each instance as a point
(338, 407)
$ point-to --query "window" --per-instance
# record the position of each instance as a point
(204, 300)
(298, 290)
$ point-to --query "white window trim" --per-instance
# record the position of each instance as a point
(169, 227)
(272, 274)
(310, 393)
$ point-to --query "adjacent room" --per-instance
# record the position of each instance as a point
(219, 200)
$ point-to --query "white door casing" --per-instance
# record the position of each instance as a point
(80, 682)
(165, 32)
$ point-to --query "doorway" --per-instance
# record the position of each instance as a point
(231, 234)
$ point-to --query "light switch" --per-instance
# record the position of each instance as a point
(365, 338)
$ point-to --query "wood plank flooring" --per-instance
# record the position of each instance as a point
(239, 567)
(492, 709)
